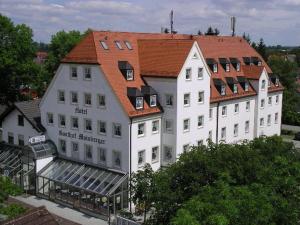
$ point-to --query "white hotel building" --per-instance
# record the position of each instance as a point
(119, 100)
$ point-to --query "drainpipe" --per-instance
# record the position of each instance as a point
(217, 131)
(130, 133)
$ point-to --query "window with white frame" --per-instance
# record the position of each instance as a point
(223, 90)
(200, 73)
(185, 147)
(153, 101)
(263, 84)
(247, 106)
(276, 118)
(210, 113)
(210, 135)
(223, 133)
(62, 120)
(62, 145)
(215, 68)
(270, 100)
(235, 88)
(155, 126)
(102, 127)
(50, 120)
(236, 108)
(61, 96)
(139, 102)
(188, 74)
(75, 146)
(87, 99)
(129, 74)
(118, 44)
(88, 125)
(87, 73)
(186, 125)
(141, 158)
(277, 82)
(74, 97)
(104, 45)
(128, 45)
(269, 120)
(246, 86)
(227, 67)
(74, 123)
(155, 154)
(186, 99)
(200, 121)
(88, 149)
(101, 101)
(277, 99)
(261, 122)
(102, 155)
(169, 126)
(247, 126)
(238, 67)
(141, 129)
(201, 97)
(73, 73)
(169, 100)
(168, 153)
(224, 110)
(235, 130)
(262, 103)
(117, 159)
(117, 130)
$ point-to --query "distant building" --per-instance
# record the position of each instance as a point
(41, 57)
(290, 57)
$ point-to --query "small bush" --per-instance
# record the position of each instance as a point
(12, 210)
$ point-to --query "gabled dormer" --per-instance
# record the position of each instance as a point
(243, 82)
(126, 70)
(213, 64)
(220, 86)
(150, 95)
(235, 63)
(233, 84)
(225, 63)
(136, 97)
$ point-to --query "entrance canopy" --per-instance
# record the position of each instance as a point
(96, 180)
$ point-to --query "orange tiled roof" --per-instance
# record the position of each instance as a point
(252, 72)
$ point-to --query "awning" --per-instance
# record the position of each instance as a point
(97, 180)
(43, 149)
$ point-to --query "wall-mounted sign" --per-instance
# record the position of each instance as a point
(81, 137)
(80, 111)
(37, 139)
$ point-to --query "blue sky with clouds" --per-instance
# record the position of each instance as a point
(277, 21)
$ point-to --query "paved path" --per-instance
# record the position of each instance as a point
(64, 212)
(290, 127)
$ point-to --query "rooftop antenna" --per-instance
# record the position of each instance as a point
(171, 21)
(233, 22)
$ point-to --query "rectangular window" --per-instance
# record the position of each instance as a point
(238, 67)
(87, 99)
(61, 96)
(50, 120)
(188, 74)
(128, 45)
(169, 100)
(210, 135)
(223, 133)
(141, 129)
(236, 108)
(269, 120)
(102, 127)
(117, 159)
(277, 99)
(117, 130)
(261, 122)
(74, 123)
(74, 97)
(270, 100)
(235, 130)
(88, 125)
(155, 154)
(246, 86)
(235, 88)
(21, 120)
(139, 102)
(185, 147)
(62, 120)
(153, 102)
(141, 158)
(10, 138)
(21, 140)
(102, 155)
(118, 44)
(104, 45)
(210, 113)
(227, 67)
(75, 146)
(101, 101)
(276, 118)
(262, 103)
(186, 125)
(186, 99)
(223, 90)
(263, 84)
(200, 121)
(62, 145)
(201, 97)
(247, 125)
(200, 73)
(224, 110)
(247, 106)
(88, 152)
(129, 74)
(169, 126)
(155, 126)
(215, 68)
(87, 73)
(168, 154)
(74, 74)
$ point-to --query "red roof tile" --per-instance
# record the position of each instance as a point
(252, 72)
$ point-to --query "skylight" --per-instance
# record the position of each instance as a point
(118, 44)
(104, 45)
(128, 45)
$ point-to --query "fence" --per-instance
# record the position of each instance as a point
(123, 221)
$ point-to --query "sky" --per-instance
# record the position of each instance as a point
(276, 21)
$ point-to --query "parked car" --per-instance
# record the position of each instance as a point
(297, 136)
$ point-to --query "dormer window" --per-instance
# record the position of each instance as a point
(150, 95)
(259, 63)
(227, 67)
(139, 102)
(213, 64)
(128, 45)
(235, 63)
(215, 68)
(238, 67)
(118, 44)
(126, 69)
(246, 86)
(235, 88)
(233, 84)
(220, 86)
(269, 83)
(153, 101)
(104, 45)
(243, 82)
(277, 82)
(129, 74)
(223, 90)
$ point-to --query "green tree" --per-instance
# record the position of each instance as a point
(247, 37)
(261, 49)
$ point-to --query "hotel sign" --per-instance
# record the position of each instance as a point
(81, 137)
